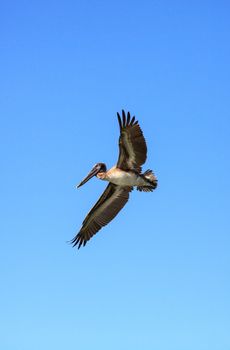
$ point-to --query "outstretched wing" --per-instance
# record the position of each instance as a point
(107, 207)
(132, 145)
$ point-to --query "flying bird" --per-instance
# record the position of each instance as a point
(122, 178)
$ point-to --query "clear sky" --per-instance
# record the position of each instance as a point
(158, 276)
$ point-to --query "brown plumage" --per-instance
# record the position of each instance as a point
(107, 207)
(132, 145)
(122, 178)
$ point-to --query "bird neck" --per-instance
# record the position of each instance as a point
(101, 175)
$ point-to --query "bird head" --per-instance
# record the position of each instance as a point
(98, 168)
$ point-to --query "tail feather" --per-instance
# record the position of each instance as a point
(151, 180)
(145, 188)
(150, 177)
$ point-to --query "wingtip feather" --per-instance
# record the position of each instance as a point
(119, 120)
(128, 118)
(132, 120)
(123, 118)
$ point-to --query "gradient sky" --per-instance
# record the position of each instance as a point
(157, 277)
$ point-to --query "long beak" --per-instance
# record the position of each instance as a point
(92, 173)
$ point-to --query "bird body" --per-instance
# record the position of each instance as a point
(122, 178)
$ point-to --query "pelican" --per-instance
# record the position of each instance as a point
(122, 178)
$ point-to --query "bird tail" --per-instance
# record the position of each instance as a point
(151, 181)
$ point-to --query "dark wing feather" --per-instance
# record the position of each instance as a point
(132, 145)
(107, 207)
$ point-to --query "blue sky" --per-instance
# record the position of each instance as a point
(157, 277)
